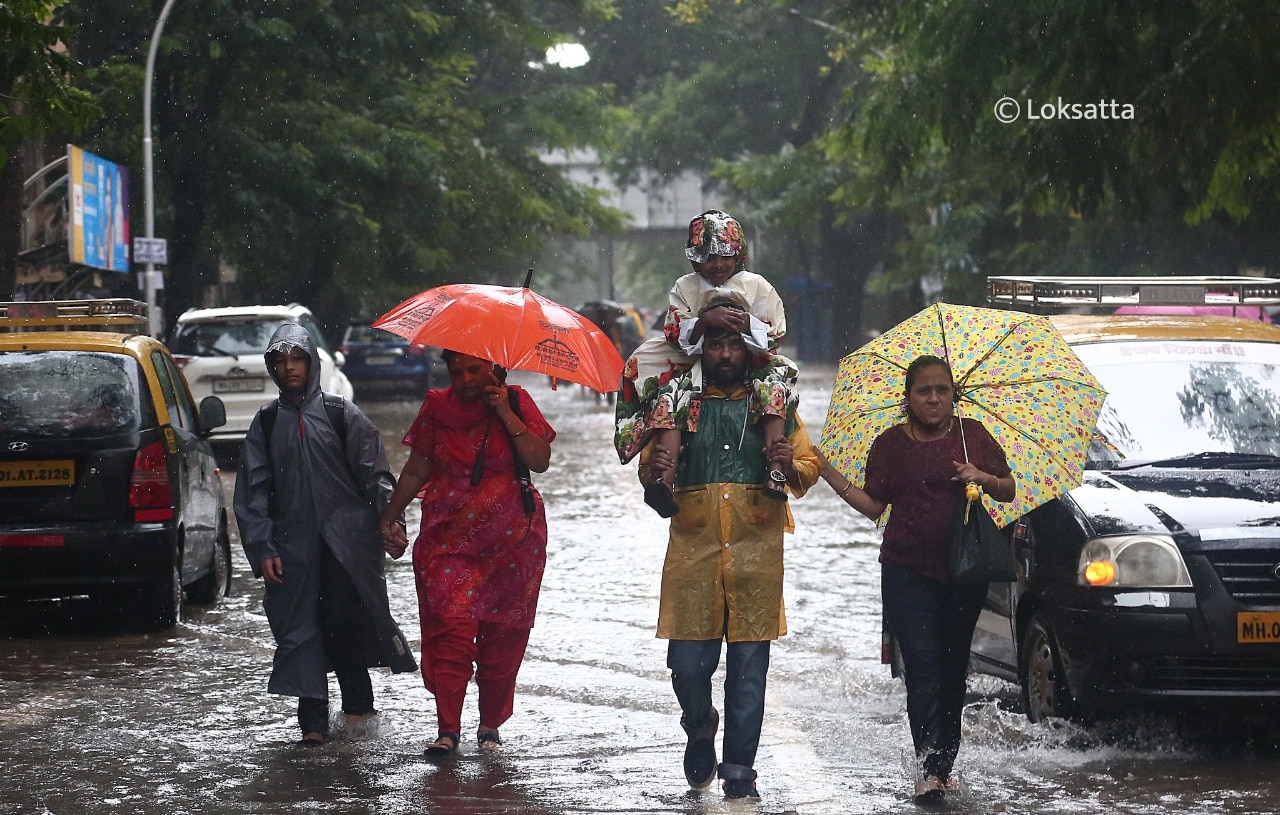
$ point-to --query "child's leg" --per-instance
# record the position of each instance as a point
(661, 492)
(669, 439)
(774, 429)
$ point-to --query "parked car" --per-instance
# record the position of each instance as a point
(220, 351)
(1157, 580)
(108, 487)
(378, 360)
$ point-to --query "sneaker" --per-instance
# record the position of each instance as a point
(929, 790)
(700, 754)
(661, 496)
(775, 486)
(740, 788)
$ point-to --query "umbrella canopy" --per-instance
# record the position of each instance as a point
(1013, 372)
(514, 327)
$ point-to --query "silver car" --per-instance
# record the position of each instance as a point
(220, 352)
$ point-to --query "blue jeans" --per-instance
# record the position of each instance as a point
(933, 624)
(692, 664)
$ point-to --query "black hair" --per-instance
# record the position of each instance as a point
(447, 355)
(919, 364)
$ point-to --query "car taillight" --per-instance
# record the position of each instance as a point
(344, 348)
(182, 360)
(417, 350)
(149, 495)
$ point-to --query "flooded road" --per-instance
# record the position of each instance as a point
(180, 722)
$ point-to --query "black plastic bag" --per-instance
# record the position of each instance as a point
(980, 552)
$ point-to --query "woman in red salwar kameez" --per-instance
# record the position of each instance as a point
(481, 550)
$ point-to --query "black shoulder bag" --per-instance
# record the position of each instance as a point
(522, 471)
(980, 552)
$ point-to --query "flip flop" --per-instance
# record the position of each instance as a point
(661, 497)
(444, 744)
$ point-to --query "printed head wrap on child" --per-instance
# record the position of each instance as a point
(715, 233)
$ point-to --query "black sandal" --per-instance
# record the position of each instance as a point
(444, 744)
(661, 496)
(488, 741)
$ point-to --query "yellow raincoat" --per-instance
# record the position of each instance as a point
(725, 549)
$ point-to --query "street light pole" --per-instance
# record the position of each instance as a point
(148, 189)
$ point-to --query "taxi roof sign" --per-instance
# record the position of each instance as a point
(113, 312)
(1037, 293)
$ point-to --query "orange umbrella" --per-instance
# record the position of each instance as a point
(514, 327)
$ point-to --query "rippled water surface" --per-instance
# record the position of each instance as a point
(180, 721)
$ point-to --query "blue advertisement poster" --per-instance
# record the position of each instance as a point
(99, 229)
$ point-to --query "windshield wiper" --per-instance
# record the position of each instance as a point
(1226, 461)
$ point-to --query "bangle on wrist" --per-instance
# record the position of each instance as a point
(848, 485)
(523, 430)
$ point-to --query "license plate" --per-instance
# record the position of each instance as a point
(384, 360)
(37, 473)
(1257, 627)
(246, 384)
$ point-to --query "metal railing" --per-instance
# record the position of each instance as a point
(1052, 293)
(118, 312)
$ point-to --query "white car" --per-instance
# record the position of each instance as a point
(220, 352)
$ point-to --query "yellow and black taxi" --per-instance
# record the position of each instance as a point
(1158, 578)
(109, 490)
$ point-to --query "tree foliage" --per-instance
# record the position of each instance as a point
(37, 96)
(342, 153)
(864, 139)
(36, 90)
(1182, 187)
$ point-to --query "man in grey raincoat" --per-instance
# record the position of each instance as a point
(312, 482)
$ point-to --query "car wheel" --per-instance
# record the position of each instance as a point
(161, 604)
(216, 584)
(1044, 688)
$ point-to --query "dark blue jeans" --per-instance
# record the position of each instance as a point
(692, 664)
(933, 624)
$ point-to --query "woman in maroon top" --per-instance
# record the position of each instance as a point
(919, 468)
(482, 548)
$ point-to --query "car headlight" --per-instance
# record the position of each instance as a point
(1133, 561)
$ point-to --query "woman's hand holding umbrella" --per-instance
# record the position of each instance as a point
(532, 450)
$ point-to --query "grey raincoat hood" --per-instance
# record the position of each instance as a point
(304, 488)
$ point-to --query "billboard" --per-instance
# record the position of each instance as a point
(98, 234)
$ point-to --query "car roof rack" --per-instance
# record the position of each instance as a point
(117, 312)
(1049, 293)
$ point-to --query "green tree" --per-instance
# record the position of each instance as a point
(1187, 185)
(37, 95)
(345, 154)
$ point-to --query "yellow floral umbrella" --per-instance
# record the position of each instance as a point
(1014, 373)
